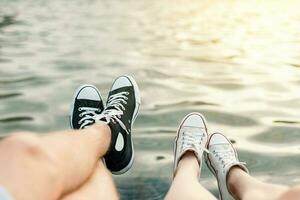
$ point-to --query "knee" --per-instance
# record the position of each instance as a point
(291, 194)
(24, 146)
(26, 153)
(27, 150)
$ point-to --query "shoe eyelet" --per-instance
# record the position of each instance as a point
(127, 93)
(79, 109)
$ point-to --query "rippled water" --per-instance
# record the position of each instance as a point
(237, 62)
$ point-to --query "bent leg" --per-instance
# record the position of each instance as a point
(99, 186)
(185, 184)
(291, 194)
(46, 167)
(244, 187)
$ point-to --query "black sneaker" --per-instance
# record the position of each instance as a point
(121, 111)
(87, 103)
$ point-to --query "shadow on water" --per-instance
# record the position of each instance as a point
(9, 95)
(16, 119)
(170, 118)
(279, 134)
(19, 82)
(143, 188)
(7, 20)
(286, 122)
(182, 103)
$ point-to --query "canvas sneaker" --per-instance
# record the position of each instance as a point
(86, 104)
(120, 113)
(191, 136)
(220, 160)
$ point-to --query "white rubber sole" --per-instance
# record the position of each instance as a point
(135, 114)
(74, 99)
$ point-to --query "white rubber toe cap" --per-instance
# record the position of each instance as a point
(218, 138)
(120, 82)
(194, 120)
(89, 92)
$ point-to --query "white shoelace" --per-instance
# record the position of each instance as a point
(115, 111)
(87, 116)
(192, 140)
(226, 157)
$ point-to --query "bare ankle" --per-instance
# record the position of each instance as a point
(188, 163)
(233, 176)
(99, 128)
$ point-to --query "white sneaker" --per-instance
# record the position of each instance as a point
(191, 136)
(220, 160)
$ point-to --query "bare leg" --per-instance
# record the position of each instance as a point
(185, 184)
(244, 187)
(291, 194)
(99, 186)
(49, 166)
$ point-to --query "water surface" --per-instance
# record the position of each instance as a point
(237, 62)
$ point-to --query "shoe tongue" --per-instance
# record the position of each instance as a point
(89, 103)
(220, 147)
(110, 107)
(118, 90)
(115, 129)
